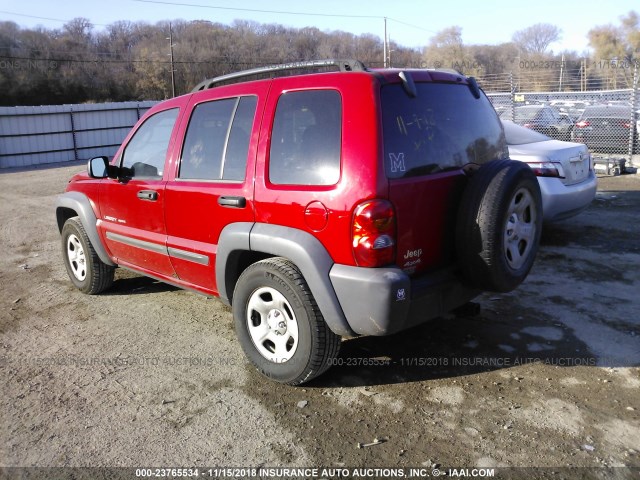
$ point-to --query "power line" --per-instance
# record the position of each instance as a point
(283, 12)
(410, 25)
(101, 61)
(34, 50)
(261, 61)
(280, 12)
(45, 18)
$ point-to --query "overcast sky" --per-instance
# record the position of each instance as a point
(410, 22)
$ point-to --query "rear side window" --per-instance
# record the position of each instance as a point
(145, 154)
(443, 128)
(216, 144)
(306, 138)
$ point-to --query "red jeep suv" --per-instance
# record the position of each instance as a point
(318, 205)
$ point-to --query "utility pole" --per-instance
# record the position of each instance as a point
(388, 51)
(561, 71)
(384, 44)
(173, 73)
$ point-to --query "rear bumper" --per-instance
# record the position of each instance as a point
(382, 301)
(561, 201)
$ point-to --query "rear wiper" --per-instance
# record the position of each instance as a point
(408, 84)
(473, 86)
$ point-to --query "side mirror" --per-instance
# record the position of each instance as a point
(99, 167)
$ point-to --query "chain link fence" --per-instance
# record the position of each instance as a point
(607, 121)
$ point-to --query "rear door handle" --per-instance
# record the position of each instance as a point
(237, 202)
(150, 195)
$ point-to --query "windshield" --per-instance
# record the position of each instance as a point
(443, 128)
(517, 135)
(524, 114)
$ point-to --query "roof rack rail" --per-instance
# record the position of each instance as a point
(448, 70)
(345, 65)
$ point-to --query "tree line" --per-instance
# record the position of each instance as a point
(131, 60)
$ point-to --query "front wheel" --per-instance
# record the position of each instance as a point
(279, 325)
(88, 273)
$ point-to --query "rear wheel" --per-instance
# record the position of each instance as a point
(499, 225)
(279, 325)
(88, 273)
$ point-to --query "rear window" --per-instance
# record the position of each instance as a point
(517, 135)
(443, 128)
(607, 111)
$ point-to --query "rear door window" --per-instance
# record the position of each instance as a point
(306, 139)
(216, 144)
(443, 128)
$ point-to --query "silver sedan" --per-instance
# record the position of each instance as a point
(564, 170)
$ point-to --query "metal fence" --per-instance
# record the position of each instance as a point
(607, 121)
(61, 133)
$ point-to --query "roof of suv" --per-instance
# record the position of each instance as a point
(344, 65)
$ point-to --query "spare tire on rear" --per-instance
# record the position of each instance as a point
(499, 225)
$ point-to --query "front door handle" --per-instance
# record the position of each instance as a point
(150, 195)
(237, 202)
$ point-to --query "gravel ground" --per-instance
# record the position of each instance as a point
(149, 375)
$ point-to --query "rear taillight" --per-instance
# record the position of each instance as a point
(582, 124)
(374, 232)
(527, 125)
(547, 169)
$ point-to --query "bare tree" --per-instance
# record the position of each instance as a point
(536, 38)
(631, 31)
(128, 60)
(78, 29)
(616, 48)
(446, 49)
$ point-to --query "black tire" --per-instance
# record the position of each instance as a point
(316, 346)
(89, 274)
(496, 245)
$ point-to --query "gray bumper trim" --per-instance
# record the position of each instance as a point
(134, 242)
(314, 262)
(188, 256)
(381, 301)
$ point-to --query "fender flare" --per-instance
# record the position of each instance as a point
(302, 248)
(79, 203)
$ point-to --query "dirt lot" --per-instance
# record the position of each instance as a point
(149, 375)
